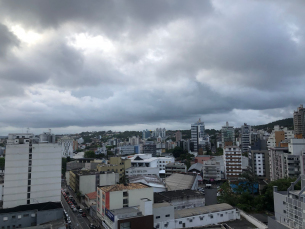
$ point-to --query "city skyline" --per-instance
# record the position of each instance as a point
(85, 67)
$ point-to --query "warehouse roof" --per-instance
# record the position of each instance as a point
(202, 210)
(178, 181)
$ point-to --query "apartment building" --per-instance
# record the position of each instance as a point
(211, 170)
(67, 144)
(32, 171)
(245, 137)
(116, 200)
(283, 164)
(298, 121)
(87, 181)
(197, 134)
(227, 135)
(289, 207)
(233, 162)
(175, 167)
(278, 135)
(259, 163)
(116, 164)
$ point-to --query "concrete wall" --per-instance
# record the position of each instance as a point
(162, 212)
(273, 224)
(25, 219)
(279, 207)
(49, 215)
(109, 179)
(87, 184)
(136, 195)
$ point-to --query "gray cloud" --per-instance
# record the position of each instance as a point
(115, 63)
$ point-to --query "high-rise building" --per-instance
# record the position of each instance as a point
(146, 134)
(232, 161)
(245, 137)
(278, 135)
(197, 133)
(32, 170)
(67, 144)
(299, 121)
(178, 136)
(227, 135)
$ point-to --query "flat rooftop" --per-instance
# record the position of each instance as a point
(202, 210)
(241, 223)
(121, 187)
(82, 172)
(125, 210)
(27, 207)
(161, 197)
(161, 205)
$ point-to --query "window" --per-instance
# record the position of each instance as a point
(5, 218)
(221, 215)
(157, 217)
(125, 201)
(13, 216)
(26, 215)
(125, 194)
(167, 215)
(180, 222)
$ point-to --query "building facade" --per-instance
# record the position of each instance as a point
(32, 171)
(232, 157)
(278, 135)
(197, 133)
(299, 121)
(116, 164)
(245, 137)
(259, 163)
(178, 136)
(67, 144)
(227, 135)
(176, 167)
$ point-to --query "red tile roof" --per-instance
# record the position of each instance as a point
(91, 195)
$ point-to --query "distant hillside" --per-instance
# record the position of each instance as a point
(288, 122)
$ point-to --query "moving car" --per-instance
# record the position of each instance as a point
(80, 210)
(84, 214)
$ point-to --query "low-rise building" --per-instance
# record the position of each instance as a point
(134, 171)
(116, 164)
(211, 170)
(195, 217)
(181, 199)
(114, 200)
(90, 198)
(146, 160)
(87, 181)
(175, 167)
(196, 168)
(30, 215)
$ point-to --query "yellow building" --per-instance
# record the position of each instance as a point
(116, 164)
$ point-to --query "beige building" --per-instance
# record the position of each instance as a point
(121, 196)
(116, 164)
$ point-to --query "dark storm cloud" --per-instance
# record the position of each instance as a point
(116, 63)
(7, 41)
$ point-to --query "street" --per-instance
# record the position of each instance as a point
(76, 218)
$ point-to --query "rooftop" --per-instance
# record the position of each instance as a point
(28, 207)
(202, 210)
(82, 172)
(161, 205)
(161, 197)
(197, 166)
(91, 195)
(121, 187)
(178, 181)
(151, 180)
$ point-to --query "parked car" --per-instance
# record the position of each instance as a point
(84, 214)
(74, 209)
(78, 207)
(80, 210)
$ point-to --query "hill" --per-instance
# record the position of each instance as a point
(288, 122)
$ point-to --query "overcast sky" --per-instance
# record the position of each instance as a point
(75, 65)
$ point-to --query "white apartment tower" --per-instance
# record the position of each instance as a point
(67, 146)
(197, 133)
(32, 171)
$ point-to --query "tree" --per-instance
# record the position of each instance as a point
(63, 165)
(219, 152)
(2, 163)
(177, 151)
(251, 180)
(89, 154)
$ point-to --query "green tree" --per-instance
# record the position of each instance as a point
(219, 152)
(250, 179)
(178, 151)
(2, 163)
(89, 154)
(63, 165)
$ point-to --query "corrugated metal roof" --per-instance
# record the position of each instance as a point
(179, 181)
(202, 210)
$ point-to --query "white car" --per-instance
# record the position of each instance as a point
(74, 209)
(80, 210)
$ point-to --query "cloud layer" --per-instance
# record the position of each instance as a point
(76, 65)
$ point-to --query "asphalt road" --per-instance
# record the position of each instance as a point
(78, 222)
